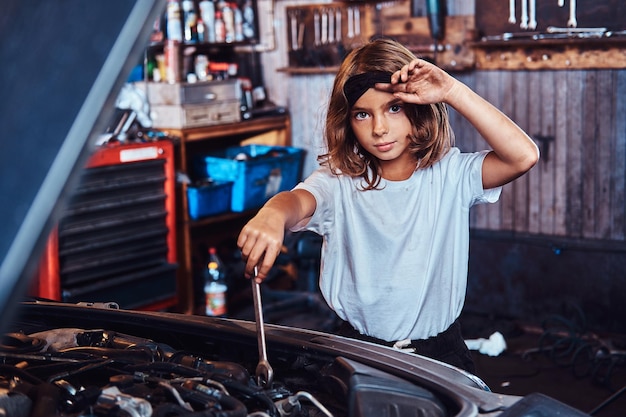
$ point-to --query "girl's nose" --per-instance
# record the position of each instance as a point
(380, 126)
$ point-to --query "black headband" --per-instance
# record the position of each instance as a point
(358, 84)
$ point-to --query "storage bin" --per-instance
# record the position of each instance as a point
(208, 200)
(258, 172)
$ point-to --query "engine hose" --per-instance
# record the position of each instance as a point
(169, 410)
(132, 355)
(253, 393)
(18, 342)
(162, 367)
(230, 369)
(231, 407)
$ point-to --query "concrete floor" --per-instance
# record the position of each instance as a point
(531, 363)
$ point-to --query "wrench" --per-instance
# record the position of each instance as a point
(532, 23)
(324, 36)
(331, 26)
(316, 27)
(572, 23)
(511, 11)
(338, 22)
(524, 18)
(350, 23)
(264, 371)
(294, 30)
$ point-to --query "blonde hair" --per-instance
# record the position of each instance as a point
(432, 136)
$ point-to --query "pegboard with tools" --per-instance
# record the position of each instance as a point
(547, 19)
(550, 34)
(319, 35)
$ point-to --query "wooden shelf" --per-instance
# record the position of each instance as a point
(247, 127)
(552, 54)
(272, 130)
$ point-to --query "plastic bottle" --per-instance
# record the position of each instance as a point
(174, 24)
(229, 22)
(215, 287)
(220, 28)
(238, 18)
(207, 13)
(190, 19)
(248, 20)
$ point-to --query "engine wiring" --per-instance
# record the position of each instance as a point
(98, 373)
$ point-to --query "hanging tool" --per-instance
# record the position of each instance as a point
(350, 19)
(294, 29)
(572, 23)
(338, 21)
(436, 12)
(532, 18)
(316, 27)
(324, 35)
(264, 371)
(331, 26)
(524, 19)
(512, 11)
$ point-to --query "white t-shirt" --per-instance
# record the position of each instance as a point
(395, 260)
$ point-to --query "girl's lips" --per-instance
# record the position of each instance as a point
(384, 147)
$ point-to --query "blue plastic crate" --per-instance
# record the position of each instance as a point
(258, 172)
(210, 199)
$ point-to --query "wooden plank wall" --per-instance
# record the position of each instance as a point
(577, 117)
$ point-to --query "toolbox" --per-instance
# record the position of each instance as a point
(257, 171)
(186, 105)
(199, 115)
(209, 199)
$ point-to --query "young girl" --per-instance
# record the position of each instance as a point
(391, 200)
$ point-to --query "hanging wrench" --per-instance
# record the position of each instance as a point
(316, 27)
(350, 23)
(264, 371)
(524, 18)
(572, 23)
(324, 37)
(294, 30)
(331, 26)
(338, 22)
(511, 11)
(532, 22)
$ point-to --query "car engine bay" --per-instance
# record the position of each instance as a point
(70, 371)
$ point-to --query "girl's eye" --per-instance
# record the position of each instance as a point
(360, 115)
(395, 108)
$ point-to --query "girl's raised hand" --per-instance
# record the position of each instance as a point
(420, 82)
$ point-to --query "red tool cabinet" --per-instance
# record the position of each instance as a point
(116, 240)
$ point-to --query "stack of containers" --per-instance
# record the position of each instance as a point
(255, 174)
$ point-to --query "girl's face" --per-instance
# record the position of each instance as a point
(382, 128)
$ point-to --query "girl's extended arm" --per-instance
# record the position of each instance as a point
(514, 153)
(261, 239)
